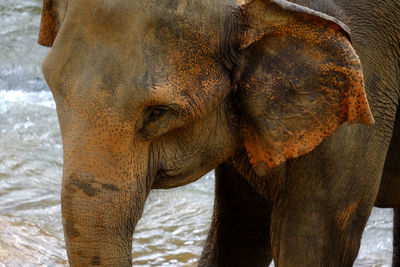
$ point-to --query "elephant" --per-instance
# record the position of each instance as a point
(272, 94)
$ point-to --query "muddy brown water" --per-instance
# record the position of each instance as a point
(175, 222)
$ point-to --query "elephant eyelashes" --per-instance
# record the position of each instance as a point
(158, 120)
(156, 112)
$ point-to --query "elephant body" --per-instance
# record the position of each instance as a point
(338, 181)
(155, 94)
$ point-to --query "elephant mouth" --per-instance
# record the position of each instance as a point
(165, 174)
(167, 179)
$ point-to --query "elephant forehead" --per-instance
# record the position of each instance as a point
(135, 22)
(135, 53)
(147, 39)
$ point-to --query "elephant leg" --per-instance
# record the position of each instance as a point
(389, 190)
(396, 238)
(239, 234)
(325, 200)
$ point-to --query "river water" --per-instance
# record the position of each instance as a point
(175, 222)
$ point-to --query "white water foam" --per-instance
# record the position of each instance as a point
(41, 98)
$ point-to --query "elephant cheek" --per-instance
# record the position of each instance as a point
(102, 200)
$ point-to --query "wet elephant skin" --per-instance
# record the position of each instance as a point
(154, 94)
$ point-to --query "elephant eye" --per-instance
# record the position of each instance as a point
(156, 112)
(159, 119)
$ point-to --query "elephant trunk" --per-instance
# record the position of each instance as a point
(102, 200)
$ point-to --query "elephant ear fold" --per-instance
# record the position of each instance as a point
(300, 79)
(53, 14)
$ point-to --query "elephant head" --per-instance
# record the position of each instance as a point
(154, 94)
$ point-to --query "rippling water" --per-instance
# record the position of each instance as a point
(175, 222)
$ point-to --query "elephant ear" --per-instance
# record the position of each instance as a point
(301, 79)
(53, 14)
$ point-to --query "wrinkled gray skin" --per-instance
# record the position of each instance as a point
(307, 193)
(310, 211)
